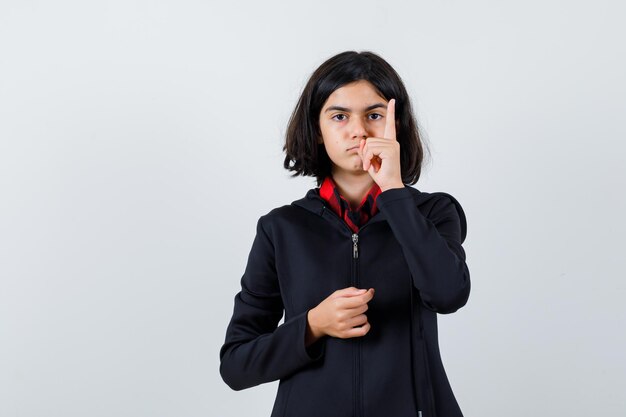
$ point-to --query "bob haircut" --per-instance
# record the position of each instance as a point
(307, 157)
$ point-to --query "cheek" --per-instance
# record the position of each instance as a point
(379, 130)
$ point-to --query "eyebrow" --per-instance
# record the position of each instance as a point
(347, 110)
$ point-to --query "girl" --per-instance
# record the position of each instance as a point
(360, 266)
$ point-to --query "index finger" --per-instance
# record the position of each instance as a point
(390, 123)
(357, 300)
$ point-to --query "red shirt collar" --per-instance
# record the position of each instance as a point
(354, 219)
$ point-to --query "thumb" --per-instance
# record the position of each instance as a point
(359, 151)
(349, 292)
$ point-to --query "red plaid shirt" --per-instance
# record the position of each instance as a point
(354, 219)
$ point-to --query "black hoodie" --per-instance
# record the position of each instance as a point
(410, 252)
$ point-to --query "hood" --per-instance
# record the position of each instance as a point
(313, 202)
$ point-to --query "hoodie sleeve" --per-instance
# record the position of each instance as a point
(256, 349)
(431, 246)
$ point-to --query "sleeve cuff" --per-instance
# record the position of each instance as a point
(393, 194)
(315, 350)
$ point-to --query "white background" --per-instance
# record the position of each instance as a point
(141, 141)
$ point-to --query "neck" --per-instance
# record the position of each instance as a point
(353, 187)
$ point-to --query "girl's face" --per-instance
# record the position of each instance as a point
(351, 113)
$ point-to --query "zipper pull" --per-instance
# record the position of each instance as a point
(355, 248)
(419, 414)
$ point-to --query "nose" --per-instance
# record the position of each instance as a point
(358, 129)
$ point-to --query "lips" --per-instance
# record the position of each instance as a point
(354, 147)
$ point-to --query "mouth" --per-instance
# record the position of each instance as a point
(354, 147)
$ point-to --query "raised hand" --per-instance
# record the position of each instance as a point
(381, 156)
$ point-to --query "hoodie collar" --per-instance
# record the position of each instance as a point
(313, 202)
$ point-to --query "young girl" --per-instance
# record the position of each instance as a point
(360, 266)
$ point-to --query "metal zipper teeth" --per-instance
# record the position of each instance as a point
(355, 257)
(356, 351)
(357, 354)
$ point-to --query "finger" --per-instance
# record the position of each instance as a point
(360, 151)
(357, 331)
(367, 297)
(367, 157)
(353, 312)
(348, 292)
(348, 303)
(390, 123)
(356, 301)
(364, 159)
(370, 158)
(373, 151)
(376, 162)
(359, 320)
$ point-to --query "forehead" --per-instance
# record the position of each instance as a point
(360, 92)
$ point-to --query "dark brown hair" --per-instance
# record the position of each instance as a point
(306, 157)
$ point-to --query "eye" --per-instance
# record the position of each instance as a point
(339, 115)
(379, 116)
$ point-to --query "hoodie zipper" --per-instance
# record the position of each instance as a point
(357, 348)
(357, 342)
(356, 351)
